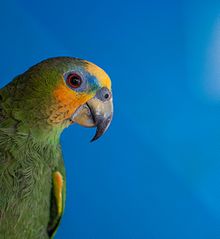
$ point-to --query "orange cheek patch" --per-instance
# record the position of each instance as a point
(66, 103)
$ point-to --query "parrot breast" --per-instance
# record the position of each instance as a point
(26, 179)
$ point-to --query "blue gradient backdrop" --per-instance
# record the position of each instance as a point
(156, 172)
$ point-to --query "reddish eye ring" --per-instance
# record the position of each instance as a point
(74, 80)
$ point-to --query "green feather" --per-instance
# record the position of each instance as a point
(30, 153)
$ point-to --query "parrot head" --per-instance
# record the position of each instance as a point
(58, 92)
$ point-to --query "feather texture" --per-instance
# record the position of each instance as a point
(26, 171)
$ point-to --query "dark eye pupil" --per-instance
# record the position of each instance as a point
(74, 80)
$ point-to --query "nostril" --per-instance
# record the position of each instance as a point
(106, 96)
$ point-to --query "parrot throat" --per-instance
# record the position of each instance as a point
(29, 115)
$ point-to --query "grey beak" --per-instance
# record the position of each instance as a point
(97, 112)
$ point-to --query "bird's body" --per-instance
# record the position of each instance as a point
(33, 114)
(27, 165)
(26, 186)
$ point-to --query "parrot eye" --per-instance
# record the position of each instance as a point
(74, 80)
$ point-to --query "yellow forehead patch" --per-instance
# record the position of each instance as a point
(100, 74)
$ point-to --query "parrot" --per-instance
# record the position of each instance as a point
(35, 108)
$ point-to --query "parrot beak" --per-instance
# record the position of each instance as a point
(97, 112)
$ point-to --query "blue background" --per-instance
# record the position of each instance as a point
(156, 172)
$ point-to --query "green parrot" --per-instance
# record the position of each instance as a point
(34, 110)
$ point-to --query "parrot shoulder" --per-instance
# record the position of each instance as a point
(57, 202)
